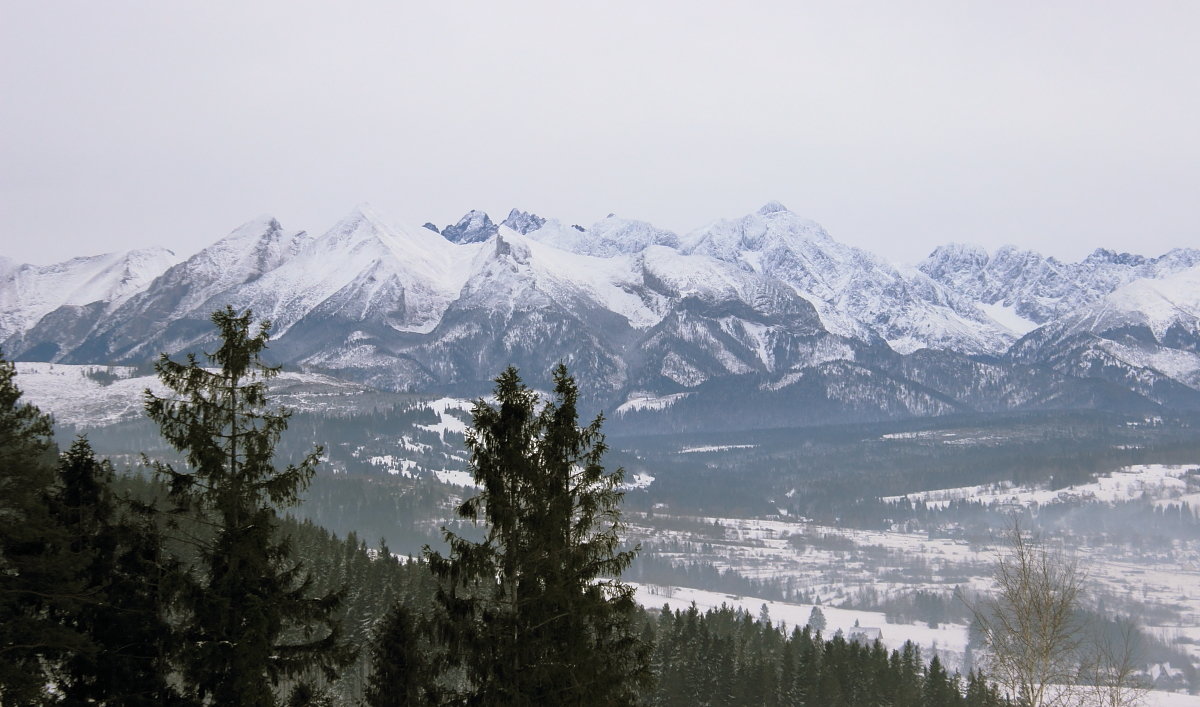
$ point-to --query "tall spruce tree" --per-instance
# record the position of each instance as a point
(398, 663)
(39, 575)
(251, 623)
(128, 582)
(535, 612)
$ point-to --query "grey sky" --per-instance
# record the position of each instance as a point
(1061, 126)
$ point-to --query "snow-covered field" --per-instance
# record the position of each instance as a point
(949, 641)
(94, 396)
(1163, 483)
(446, 421)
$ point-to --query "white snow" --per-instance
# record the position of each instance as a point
(715, 448)
(365, 262)
(853, 290)
(1007, 317)
(393, 465)
(1175, 298)
(68, 393)
(607, 238)
(648, 401)
(612, 282)
(454, 477)
(639, 481)
(447, 422)
(949, 640)
(29, 292)
(1156, 481)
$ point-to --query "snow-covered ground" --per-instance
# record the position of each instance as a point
(446, 421)
(715, 448)
(948, 641)
(456, 478)
(94, 396)
(1164, 483)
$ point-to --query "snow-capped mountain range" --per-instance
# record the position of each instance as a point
(761, 318)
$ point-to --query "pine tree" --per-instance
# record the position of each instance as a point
(39, 575)
(816, 619)
(534, 612)
(251, 623)
(127, 582)
(939, 689)
(982, 694)
(398, 677)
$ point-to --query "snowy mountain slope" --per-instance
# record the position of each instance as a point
(30, 292)
(855, 292)
(606, 238)
(1039, 288)
(360, 276)
(363, 269)
(1154, 313)
(831, 392)
(529, 304)
(174, 307)
(724, 321)
(1144, 335)
(999, 386)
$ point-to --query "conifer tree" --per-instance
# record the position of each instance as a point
(816, 619)
(939, 689)
(535, 613)
(980, 693)
(398, 676)
(251, 622)
(39, 576)
(127, 583)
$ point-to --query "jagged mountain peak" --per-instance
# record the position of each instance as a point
(474, 227)
(255, 226)
(959, 251)
(1105, 255)
(523, 222)
(362, 219)
(1039, 288)
(365, 233)
(513, 248)
(772, 226)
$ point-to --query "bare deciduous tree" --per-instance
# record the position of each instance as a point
(1112, 666)
(1031, 627)
(1038, 645)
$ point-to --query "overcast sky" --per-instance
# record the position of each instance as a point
(1060, 126)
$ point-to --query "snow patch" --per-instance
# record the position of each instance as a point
(715, 448)
(455, 478)
(1158, 481)
(646, 401)
(1007, 317)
